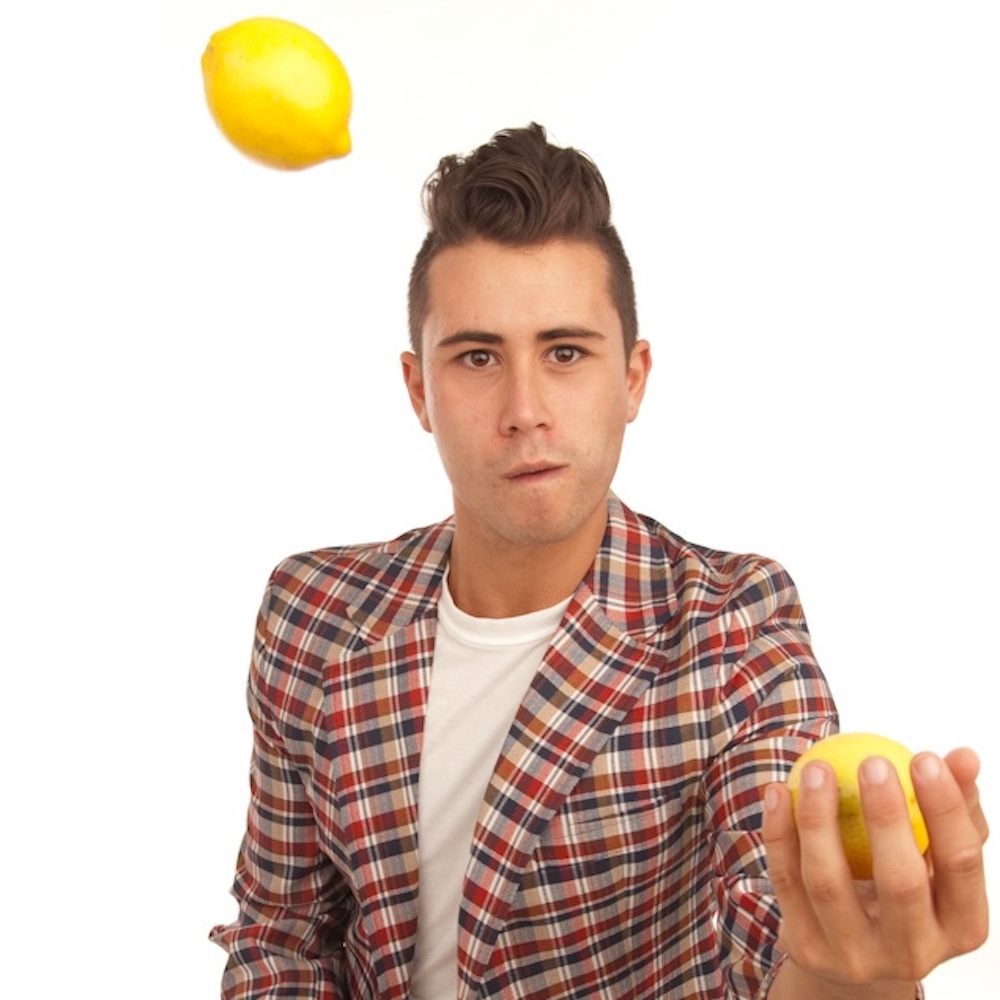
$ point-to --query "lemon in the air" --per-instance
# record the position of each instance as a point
(278, 92)
(844, 752)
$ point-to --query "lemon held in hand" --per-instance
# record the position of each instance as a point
(278, 93)
(845, 752)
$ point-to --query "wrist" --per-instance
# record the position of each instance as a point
(793, 982)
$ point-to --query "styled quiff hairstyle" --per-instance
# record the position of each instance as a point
(520, 190)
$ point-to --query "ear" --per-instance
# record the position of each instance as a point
(413, 376)
(639, 363)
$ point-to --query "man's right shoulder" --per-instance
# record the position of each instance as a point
(373, 585)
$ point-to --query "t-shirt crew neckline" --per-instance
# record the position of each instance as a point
(473, 631)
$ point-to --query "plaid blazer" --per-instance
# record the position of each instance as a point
(616, 853)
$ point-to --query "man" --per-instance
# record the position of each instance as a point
(537, 750)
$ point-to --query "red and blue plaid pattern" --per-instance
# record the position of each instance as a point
(617, 851)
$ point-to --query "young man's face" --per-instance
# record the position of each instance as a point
(525, 385)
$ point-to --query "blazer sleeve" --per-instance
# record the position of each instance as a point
(293, 903)
(774, 703)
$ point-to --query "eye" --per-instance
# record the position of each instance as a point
(565, 354)
(477, 358)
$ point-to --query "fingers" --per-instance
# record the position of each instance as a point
(781, 841)
(900, 872)
(917, 911)
(809, 872)
(964, 766)
(896, 856)
(957, 831)
(826, 876)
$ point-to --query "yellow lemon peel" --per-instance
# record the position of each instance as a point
(278, 93)
(844, 752)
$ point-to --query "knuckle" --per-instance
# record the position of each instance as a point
(822, 886)
(857, 969)
(882, 812)
(815, 956)
(804, 950)
(963, 861)
(906, 889)
(913, 964)
(808, 821)
(782, 882)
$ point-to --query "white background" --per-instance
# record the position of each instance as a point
(199, 376)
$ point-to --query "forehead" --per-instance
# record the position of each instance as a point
(496, 288)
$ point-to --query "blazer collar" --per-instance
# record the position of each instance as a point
(400, 584)
(630, 580)
(626, 584)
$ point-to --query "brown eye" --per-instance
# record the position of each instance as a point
(477, 359)
(565, 353)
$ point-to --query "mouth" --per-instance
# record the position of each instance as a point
(533, 472)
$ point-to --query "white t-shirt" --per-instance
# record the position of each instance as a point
(482, 668)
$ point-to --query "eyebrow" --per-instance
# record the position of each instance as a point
(543, 336)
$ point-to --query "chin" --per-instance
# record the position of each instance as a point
(540, 531)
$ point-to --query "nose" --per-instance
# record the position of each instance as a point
(525, 405)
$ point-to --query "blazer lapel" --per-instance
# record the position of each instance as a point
(376, 721)
(600, 662)
(378, 762)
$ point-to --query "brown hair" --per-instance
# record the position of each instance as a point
(520, 190)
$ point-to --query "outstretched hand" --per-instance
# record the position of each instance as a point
(876, 939)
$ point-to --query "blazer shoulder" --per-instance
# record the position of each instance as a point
(753, 585)
(362, 580)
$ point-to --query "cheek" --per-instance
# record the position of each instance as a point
(605, 432)
(431, 406)
(457, 416)
(604, 417)
(454, 431)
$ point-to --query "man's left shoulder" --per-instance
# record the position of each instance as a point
(712, 578)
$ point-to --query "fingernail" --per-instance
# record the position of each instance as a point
(876, 770)
(928, 766)
(813, 776)
(771, 798)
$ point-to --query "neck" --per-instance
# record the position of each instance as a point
(496, 580)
